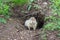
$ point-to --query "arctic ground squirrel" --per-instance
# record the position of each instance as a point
(31, 23)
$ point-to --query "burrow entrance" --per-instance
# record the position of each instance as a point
(39, 17)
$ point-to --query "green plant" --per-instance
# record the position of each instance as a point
(54, 20)
(55, 6)
(30, 4)
(4, 10)
(58, 35)
(36, 6)
(2, 20)
(54, 23)
(20, 2)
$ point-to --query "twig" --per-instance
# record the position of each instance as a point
(36, 12)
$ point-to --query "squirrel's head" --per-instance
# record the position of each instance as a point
(32, 18)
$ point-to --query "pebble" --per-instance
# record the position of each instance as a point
(45, 3)
(15, 39)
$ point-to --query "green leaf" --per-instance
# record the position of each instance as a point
(29, 7)
(31, 1)
(2, 20)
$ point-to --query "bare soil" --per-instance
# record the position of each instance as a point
(14, 29)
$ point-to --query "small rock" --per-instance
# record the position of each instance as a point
(45, 3)
(15, 39)
(10, 19)
(21, 37)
